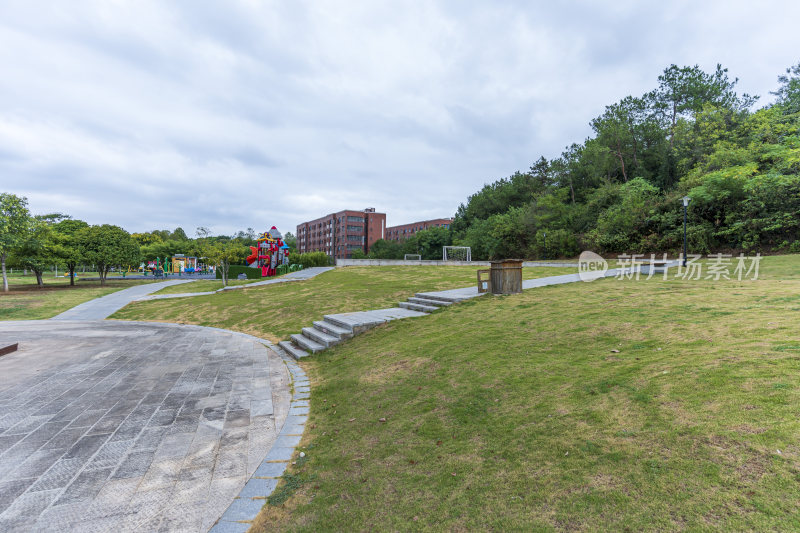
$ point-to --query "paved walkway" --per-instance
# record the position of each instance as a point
(300, 275)
(128, 426)
(471, 292)
(101, 308)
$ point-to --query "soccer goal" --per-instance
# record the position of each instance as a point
(456, 253)
(412, 257)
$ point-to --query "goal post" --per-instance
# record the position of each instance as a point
(456, 253)
(412, 257)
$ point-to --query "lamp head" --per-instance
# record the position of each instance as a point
(686, 201)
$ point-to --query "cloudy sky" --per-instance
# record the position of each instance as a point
(235, 114)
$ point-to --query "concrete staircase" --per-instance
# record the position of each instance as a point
(340, 327)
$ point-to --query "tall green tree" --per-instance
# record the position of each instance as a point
(683, 91)
(38, 250)
(106, 246)
(789, 91)
(68, 249)
(14, 220)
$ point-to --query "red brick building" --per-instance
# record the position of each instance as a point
(403, 232)
(339, 234)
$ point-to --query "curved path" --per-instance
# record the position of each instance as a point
(300, 275)
(101, 308)
(130, 426)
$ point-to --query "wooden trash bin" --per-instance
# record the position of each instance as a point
(506, 276)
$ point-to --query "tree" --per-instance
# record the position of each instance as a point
(290, 240)
(684, 90)
(789, 92)
(38, 249)
(106, 246)
(143, 239)
(14, 217)
(383, 249)
(222, 254)
(431, 241)
(67, 248)
(179, 234)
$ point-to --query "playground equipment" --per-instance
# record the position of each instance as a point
(183, 264)
(270, 253)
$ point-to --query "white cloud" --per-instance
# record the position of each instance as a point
(248, 114)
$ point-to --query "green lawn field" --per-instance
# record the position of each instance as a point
(276, 311)
(27, 301)
(605, 406)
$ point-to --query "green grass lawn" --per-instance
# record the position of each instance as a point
(606, 406)
(276, 311)
(202, 285)
(26, 301)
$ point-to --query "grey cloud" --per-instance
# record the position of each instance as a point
(239, 114)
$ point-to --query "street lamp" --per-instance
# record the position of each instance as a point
(686, 201)
(545, 245)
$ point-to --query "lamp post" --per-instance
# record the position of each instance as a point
(545, 245)
(686, 201)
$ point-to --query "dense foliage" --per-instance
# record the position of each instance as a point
(41, 242)
(620, 190)
(310, 259)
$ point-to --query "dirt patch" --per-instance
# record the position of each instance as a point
(747, 429)
(385, 374)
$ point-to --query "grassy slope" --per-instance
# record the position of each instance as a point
(202, 285)
(276, 311)
(26, 301)
(514, 413)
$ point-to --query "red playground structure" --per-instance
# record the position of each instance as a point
(269, 253)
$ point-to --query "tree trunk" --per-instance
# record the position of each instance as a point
(39, 278)
(224, 268)
(5, 279)
(674, 123)
(103, 272)
(635, 149)
(72, 275)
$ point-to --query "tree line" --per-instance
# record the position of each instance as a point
(39, 242)
(619, 191)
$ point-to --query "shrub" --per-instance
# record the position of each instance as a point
(310, 259)
(235, 270)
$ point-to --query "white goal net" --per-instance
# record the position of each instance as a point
(412, 257)
(456, 253)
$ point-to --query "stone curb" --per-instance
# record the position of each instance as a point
(245, 507)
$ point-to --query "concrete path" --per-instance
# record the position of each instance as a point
(466, 293)
(300, 275)
(131, 426)
(101, 308)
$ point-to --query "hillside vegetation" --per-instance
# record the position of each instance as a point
(620, 190)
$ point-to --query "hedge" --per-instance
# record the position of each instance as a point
(235, 270)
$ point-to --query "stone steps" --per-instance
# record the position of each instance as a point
(418, 307)
(332, 329)
(429, 301)
(320, 337)
(337, 328)
(293, 350)
(438, 298)
(307, 344)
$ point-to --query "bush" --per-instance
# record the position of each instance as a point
(310, 259)
(235, 270)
